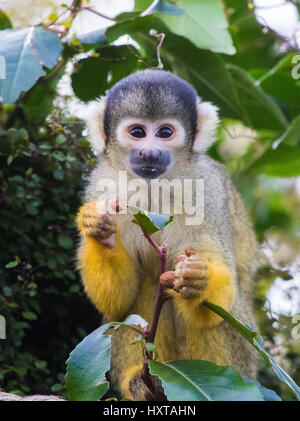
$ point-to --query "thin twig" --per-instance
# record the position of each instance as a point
(90, 9)
(160, 39)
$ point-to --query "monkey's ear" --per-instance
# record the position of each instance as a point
(206, 126)
(94, 117)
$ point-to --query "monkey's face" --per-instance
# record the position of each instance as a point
(150, 144)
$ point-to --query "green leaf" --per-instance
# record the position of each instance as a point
(151, 222)
(26, 51)
(291, 136)
(194, 380)
(29, 315)
(65, 242)
(38, 101)
(90, 77)
(281, 162)
(5, 22)
(151, 347)
(262, 111)
(90, 360)
(11, 265)
(203, 22)
(280, 83)
(268, 394)
(205, 70)
(58, 174)
(93, 39)
(7, 291)
(74, 288)
(56, 387)
(87, 365)
(160, 6)
(256, 340)
(40, 364)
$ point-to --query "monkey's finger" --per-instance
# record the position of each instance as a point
(167, 279)
(180, 258)
(180, 283)
(188, 293)
(190, 273)
(109, 242)
(90, 220)
(196, 265)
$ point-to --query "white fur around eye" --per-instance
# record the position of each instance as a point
(125, 140)
(207, 123)
(93, 116)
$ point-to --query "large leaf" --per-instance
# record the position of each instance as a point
(204, 69)
(256, 340)
(268, 394)
(90, 77)
(87, 365)
(90, 360)
(38, 101)
(149, 6)
(262, 111)
(255, 46)
(194, 380)
(279, 81)
(26, 51)
(151, 222)
(203, 22)
(291, 136)
(281, 162)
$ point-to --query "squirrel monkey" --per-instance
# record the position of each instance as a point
(152, 125)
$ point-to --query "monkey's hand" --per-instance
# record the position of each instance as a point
(191, 276)
(94, 220)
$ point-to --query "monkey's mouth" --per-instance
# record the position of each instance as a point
(148, 170)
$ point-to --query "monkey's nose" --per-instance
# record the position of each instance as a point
(147, 154)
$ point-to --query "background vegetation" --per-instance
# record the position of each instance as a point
(245, 69)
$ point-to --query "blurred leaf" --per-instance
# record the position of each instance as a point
(281, 162)
(94, 75)
(204, 23)
(262, 111)
(280, 83)
(255, 46)
(193, 380)
(65, 242)
(38, 101)
(25, 52)
(11, 265)
(92, 39)
(5, 22)
(291, 136)
(29, 315)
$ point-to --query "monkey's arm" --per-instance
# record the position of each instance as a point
(204, 276)
(108, 275)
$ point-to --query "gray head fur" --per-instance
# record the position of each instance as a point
(151, 94)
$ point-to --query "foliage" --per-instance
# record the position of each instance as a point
(43, 155)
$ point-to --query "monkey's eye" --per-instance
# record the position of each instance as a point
(138, 132)
(164, 132)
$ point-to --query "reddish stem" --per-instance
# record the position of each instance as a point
(161, 296)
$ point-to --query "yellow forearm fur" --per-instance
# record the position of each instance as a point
(108, 276)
